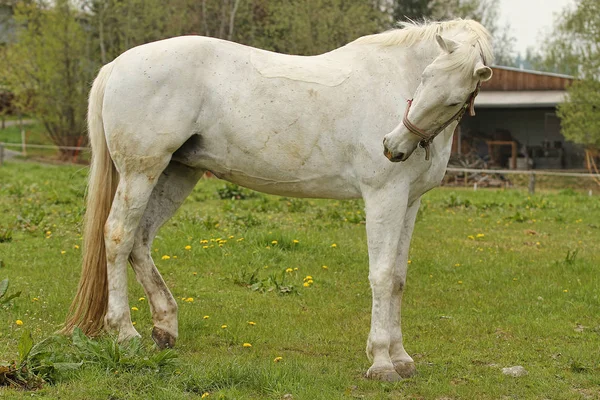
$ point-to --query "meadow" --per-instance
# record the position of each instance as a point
(497, 278)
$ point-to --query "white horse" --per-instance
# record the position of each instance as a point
(162, 114)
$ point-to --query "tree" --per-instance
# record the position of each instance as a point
(484, 11)
(574, 48)
(47, 71)
(580, 114)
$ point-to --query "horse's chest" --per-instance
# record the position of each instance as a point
(430, 178)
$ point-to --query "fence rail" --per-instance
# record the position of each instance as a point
(43, 146)
(531, 173)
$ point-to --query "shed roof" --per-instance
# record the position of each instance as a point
(514, 79)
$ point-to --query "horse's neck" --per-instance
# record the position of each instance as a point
(412, 61)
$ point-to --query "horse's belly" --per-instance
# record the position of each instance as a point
(305, 182)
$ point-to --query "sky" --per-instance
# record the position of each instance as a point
(530, 19)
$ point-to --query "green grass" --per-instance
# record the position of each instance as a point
(525, 293)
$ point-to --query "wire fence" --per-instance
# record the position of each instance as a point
(530, 174)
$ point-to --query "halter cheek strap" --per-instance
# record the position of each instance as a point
(426, 137)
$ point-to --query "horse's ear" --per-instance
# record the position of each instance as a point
(482, 73)
(448, 45)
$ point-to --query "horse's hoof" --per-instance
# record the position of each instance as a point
(126, 335)
(162, 338)
(405, 369)
(384, 375)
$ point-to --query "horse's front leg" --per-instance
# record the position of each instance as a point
(403, 363)
(386, 211)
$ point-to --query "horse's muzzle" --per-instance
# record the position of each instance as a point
(394, 157)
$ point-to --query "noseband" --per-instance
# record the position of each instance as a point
(428, 137)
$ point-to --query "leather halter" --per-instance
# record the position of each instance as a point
(428, 137)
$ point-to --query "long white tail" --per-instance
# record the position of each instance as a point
(90, 303)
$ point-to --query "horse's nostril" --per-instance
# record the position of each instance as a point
(398, 157)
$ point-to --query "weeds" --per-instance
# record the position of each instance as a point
(571, 256)
(234, 192)
(3, 290)
(274, 282)
(5, 235)
(49, 360)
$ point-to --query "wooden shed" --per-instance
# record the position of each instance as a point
(516, 124)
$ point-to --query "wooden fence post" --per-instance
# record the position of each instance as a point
(532, 183)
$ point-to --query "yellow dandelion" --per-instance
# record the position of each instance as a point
(205, 247)
(289, 270)
(205, 395)
(334, 245)
(63, 252)
(310, 281)
(206, 317)
(471, 237)
(174, 256)
(295, 241)
(76, 246)
(230, 237)
(223, 326)
(19, 322)
(308, 278)
(277, 359)
(295, 269)
(134, 308)
(457, 265)
(247, 345)
(268, 247)
(48, 232)
(141, 299)
(133, 322)
(188, 247)
(251, 323)
(194, 273)
(190, 299)
(306, 284)
(325, 267)
(409, 262)
(431, 276)
(480, 235)
(460, 282)
(240, 239)
(166, 257)
(35, 299)
(203, 241)
(566, 290)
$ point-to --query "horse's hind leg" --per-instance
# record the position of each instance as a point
(137, 178)
(174, 185)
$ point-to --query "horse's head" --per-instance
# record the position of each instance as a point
(447, 89)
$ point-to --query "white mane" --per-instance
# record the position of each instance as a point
(475, 39)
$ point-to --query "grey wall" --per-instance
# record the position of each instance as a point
(538, 128)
